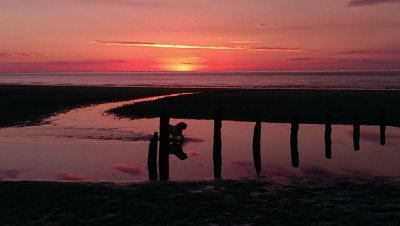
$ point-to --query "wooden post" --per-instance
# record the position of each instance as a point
(163, 160)
(152, 157)
(217, 146)
(383, 127)
(293, 141)
(328, 138)
(257, 147)
(356, 132)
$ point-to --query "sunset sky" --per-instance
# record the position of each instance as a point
(198, 35)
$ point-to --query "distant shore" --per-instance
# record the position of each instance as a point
(27, 105)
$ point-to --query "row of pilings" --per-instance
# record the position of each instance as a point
(163, 158)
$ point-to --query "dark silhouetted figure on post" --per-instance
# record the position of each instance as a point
(217, 145)
(176, 131)
(257, 147)
(293, 141)
(152, 157)
(328, 138)
(356, 132)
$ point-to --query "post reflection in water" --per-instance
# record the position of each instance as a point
(257, 147)
(382, 127)
(294, 141)
(356, 132)
(328, 138)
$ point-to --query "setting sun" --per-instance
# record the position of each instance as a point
(182, 67)
(181, 64)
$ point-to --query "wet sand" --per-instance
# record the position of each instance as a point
(27, 105)
(293, 201)
(24, 105)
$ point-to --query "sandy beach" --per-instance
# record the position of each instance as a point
(289, 201)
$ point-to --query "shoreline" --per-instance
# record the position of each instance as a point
(29, 105)
(24, 105)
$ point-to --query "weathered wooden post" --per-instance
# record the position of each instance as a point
(293, 141)
(257, 147)
(383, 127)
(328, 138)
(217, 146)
(163, 161)
(152, 157)
(356, 132)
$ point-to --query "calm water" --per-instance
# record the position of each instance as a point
(88, 144)
(309, 80)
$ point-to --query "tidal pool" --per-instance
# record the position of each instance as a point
(88, 144)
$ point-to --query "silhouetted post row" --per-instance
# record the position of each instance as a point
(163, 160)
(152, 157)
(217, 145)
(356, 132)
(257, 147)
(293, 141)
(328, 137)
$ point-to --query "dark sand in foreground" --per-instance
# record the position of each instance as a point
(297, 201)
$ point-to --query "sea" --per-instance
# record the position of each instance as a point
(366, 80)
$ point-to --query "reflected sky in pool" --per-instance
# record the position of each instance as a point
(86, 144)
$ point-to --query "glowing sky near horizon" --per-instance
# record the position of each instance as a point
(201, 35)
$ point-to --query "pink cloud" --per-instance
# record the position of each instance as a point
(82, 66)
(394, 51)
(129, 169)
(71, 177)
(301, 59)
(22, 54)
(369, 2)
(266, 25)
(244, 41)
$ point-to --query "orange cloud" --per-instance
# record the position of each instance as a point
(182, 46)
